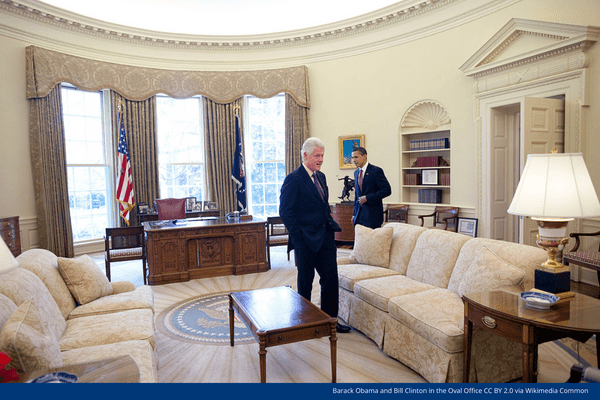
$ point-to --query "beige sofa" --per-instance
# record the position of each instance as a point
(402, 285)
(57, 311)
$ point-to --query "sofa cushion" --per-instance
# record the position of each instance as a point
(524, 257)
(140, 298)
(108, 328)
(434, 256)
(379, 291)
(140, 350)
(404, 240)
(44, 264)
(487, 272)
(372, 246)
(434, 314)
(7, 307)
(84, 278)
(21, 285)
(28, 342)
(349, 274)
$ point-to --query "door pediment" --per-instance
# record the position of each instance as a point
(525, 44)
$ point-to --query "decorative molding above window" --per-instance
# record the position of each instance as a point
(425, 115)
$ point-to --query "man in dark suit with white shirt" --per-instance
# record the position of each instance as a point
(371, 187)
(305, 212)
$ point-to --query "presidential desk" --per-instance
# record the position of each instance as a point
(204, 247)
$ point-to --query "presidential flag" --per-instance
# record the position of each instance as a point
(239, 175)
(124, 181)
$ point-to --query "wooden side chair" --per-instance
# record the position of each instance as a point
(444, 217)
(125, 244)
(587, 259)
(277, 235)
(396, 213)
(170, 208)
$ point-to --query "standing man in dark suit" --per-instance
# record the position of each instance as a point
(370, 187)
(304, 210)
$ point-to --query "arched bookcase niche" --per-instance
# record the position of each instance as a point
(425, 133)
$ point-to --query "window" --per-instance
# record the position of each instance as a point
(87, 169)
(180, 140)
(265, 154)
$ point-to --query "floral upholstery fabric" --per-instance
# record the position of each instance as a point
(372, 246)
(369, 320)
(487, 272)
(21, 285)
(379, 291)
(140, 298)
(84, 278)
(140, 350)
(434, 256)
(433, 314)
(28, 342)
(404, 240)
(44, 264)
(7, 307)
(349, 274)
(108, 328)
(524, 257)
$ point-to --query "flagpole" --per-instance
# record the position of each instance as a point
(124, 195)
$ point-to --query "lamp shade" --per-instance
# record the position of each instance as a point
(555, 186)
(7, 261)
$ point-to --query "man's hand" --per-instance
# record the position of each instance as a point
(362, 199)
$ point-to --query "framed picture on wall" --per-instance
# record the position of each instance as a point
(429, 177)
(467, 226)
(347, 144)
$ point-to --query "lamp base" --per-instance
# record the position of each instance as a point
(556, 281)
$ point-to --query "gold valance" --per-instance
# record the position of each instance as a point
(46, 68)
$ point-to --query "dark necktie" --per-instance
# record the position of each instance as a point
(360, 179)
(318, 185)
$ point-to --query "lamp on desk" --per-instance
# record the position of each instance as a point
(554, 189)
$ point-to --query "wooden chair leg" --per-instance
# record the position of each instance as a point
(107, 263)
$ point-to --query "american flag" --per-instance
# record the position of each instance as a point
(124, 180)
(239, 175)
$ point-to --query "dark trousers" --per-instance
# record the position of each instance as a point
(324, 262)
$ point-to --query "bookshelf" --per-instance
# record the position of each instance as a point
(426, 154)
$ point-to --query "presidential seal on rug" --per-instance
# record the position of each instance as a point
(203, 320)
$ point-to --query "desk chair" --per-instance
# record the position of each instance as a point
(396, 213)
(277, 235)
(125, 244)
(587, 259)
(171, 208)
(443, 218)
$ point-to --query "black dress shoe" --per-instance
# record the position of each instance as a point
(342, 328)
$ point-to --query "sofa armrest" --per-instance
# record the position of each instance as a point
(122, 287)
(344, 260)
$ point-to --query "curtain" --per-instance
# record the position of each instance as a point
(49, 167)
(139, 118)
(220, 146)
(296, 132)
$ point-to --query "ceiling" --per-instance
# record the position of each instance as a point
(222, 17)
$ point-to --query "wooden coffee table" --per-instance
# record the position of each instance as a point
(506, 314)
(279, 315)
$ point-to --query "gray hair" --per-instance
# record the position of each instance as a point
(310, 145)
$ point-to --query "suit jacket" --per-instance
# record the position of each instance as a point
(303, 211)
(375, 186)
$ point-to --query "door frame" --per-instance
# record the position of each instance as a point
(570, 84)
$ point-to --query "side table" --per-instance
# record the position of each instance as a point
(504, 313)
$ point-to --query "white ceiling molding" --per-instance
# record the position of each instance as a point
(525, 50)
(384, 28)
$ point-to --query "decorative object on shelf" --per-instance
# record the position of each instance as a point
(553, 190)
(467, 226)
(539, 300)
(347, 144)
(429, 177)
(190, 203)
(348, 187)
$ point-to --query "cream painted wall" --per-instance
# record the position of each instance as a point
(360, 94)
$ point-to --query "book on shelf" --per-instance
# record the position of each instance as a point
(430, 196)
(445, 178)
(412, 179)
(429, 144)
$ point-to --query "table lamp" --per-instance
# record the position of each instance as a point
(554, 189)
(7, 261)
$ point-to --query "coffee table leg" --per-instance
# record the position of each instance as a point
(231, 318)
(262, 355)
(333, 346)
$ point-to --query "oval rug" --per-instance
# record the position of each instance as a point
(203, 320)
